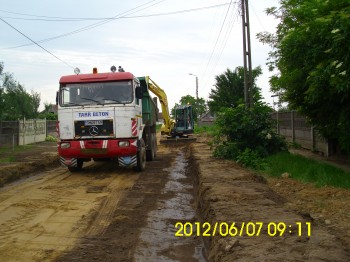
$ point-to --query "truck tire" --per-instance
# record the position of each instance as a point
(76, 168)
(155, 144)
(151, 153)
(141, 157)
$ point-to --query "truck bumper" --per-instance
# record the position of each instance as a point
(87, 149)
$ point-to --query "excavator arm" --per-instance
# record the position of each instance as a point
(168, 126)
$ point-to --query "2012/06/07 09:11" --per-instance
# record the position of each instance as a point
(250, 229)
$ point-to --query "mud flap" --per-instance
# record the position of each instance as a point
(69, 162)
(127, 161)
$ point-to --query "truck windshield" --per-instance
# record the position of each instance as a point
(120, 92)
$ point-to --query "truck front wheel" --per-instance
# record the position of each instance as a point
(141, 157)
(76, 168)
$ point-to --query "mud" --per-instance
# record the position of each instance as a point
(143, 225)
(106, 213)
(157, 240)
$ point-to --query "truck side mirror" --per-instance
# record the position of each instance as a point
(139, 93)
(57, 98)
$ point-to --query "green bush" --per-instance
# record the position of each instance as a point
(247, 135)
(251, 158)
(50, 138)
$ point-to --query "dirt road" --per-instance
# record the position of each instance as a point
(45, 214)
(105, 213)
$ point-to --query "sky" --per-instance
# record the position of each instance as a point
(166, 40)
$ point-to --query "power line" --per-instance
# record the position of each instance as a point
(222, 44)
(93, 25)
(47, 51)
(72, 19)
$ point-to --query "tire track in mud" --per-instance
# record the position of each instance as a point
(117, 190)
(47, 214)
(119, 240)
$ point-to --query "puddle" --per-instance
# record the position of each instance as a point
(158, 240)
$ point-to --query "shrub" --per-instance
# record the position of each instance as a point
(50, 138)
(247, 135)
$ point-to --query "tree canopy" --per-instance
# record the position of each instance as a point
(15, 102)
(228, 90)
(311, 50)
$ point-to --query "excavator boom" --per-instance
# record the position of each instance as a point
(169, 124)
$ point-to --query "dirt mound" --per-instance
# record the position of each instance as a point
(31, 160)
(266, 227)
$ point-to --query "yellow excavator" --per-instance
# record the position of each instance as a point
(183, 123)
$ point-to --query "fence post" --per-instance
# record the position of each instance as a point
(313, 139)
(278, 125)
(13, 140)
(292, 123)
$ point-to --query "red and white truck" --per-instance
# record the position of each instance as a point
(106, 116)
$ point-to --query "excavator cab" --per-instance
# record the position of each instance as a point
(184, 123)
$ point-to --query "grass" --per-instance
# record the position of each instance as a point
(7, 159)
(7, 154)
(9, 150)
(158, 127)
(210, 130)
(306, 170)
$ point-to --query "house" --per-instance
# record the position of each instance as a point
(207, 119)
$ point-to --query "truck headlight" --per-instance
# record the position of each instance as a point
(124, 143)
(65, 145)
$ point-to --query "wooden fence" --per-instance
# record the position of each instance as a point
(295, 128)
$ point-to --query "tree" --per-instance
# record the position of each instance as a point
(46, 114)
(229, 89)
(2, 91)
(311, 52)
(15, 102)
(198, 105)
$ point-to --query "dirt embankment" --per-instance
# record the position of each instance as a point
(228, 193)
(34, 158)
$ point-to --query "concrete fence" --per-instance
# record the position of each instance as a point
(296, 129)
(31, 131)
(23, 132)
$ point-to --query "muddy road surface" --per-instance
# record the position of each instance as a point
(106, 213)
(103, 213)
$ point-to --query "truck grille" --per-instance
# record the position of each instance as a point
(94, 128)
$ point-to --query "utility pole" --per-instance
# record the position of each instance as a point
(196, 84)
(247, 56)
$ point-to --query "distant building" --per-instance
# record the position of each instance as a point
(52, 110)
(207, 119)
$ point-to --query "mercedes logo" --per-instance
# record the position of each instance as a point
(93, 131)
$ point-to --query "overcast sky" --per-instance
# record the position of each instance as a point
(164, 39)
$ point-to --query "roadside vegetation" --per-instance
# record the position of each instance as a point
(7, 154)
(314, 81)
(306, 170)
(16, 103)
(310, 55)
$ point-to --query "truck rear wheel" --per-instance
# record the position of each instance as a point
(151, 153)
(141, 157)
